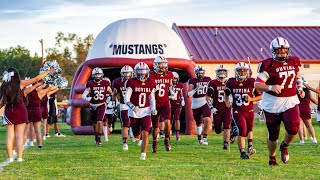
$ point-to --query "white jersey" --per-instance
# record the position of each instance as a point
(274, 104)
(198, 102)
(143, 112)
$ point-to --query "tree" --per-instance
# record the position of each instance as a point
(19, 57)
(70, 51)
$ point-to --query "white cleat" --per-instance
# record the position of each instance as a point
(31, 143)
(202, 142)
(143, 156)
(301, 141)
(125, 147)
(44, 138)
(140, 143)
(106, 139)
(314, 140)
(110, 129)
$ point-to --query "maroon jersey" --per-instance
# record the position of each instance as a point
(118, 87)
(177, 88)
(98, 91)
(33, 99)
(216, 92)
(240, 93)
(281, 73)
(141, 91)
(163, 82)
(200, 82)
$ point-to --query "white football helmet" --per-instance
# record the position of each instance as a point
(175, 79)
(221, 71)
(199, 71)
(97, 74)
(242, 70)
(278, 43)
(126, 72)
(141, 71)
(160, 64)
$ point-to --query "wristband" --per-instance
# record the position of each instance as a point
(270, 87)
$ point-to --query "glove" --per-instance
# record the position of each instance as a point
(182, 102)
(111, 105)
(173, 97)
(214, 110)
(92, 107)
(136, 109)
(154, 112)
(88, 98)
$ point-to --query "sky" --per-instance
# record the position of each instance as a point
(25, 22)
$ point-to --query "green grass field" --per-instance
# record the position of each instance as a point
(76, 157)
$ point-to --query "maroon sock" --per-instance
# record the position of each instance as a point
(124, 140)
(249, 143)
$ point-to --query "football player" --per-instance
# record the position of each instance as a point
(163, 78)
(176, 101)
(95, 93)
(197, 89)
(139, 97)
(215, 98)
(280, 80)
(243, 93)
(118, 85)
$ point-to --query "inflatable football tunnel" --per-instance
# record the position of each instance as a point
(127, 42)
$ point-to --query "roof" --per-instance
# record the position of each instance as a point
(241, 42)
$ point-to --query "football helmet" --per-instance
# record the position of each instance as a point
(126, 72)
(280, 43)
(242, 71)
(141, 71)
(97, 74)
(199, 72)
(221, 71)
(175, 79)
(160, 64)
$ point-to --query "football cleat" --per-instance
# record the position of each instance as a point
(110, 129)
(225, 147)
(167, 145)
(251, 151)
(284, 154)
(273, 162)
(301, 141)
(244, 155)
(125, 147)
(178, 137)
(202, 142)
(44, 138)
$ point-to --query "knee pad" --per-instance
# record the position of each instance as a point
(273, 137)
(293, 131)
(217, 130)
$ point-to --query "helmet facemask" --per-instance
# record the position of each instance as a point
(242, 73)
(280, 49)
(221, 74)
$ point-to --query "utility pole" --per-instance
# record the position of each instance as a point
(41, 41)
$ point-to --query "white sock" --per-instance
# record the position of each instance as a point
(199, 130)
(19, 159)
(105, 132)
